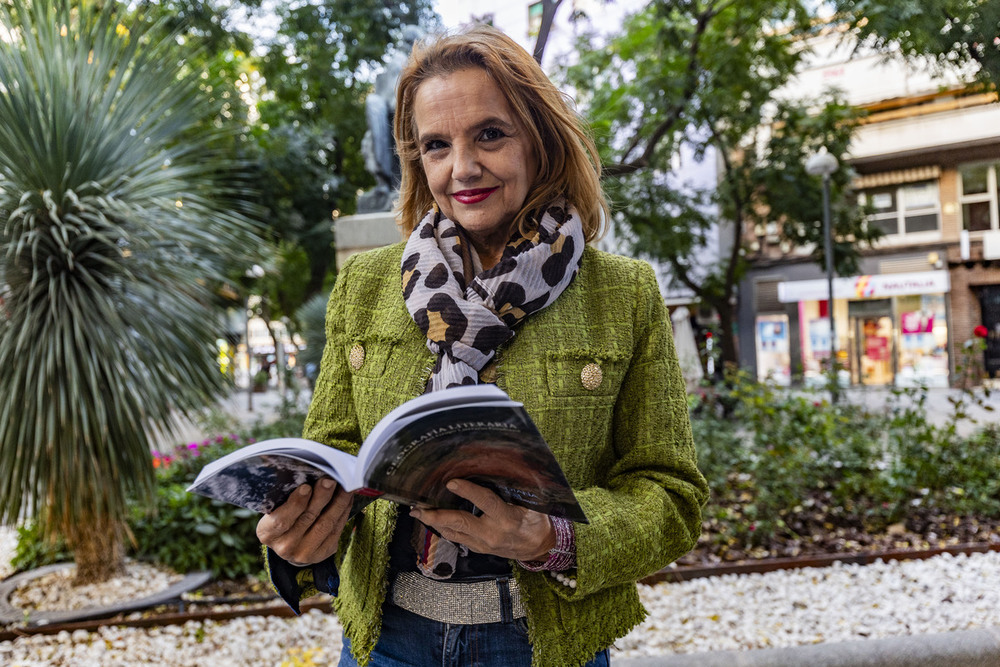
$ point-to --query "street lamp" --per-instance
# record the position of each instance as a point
(823, 164)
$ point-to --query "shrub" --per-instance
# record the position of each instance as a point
(188, 532)
(185, 461)
(34, 551)
(788, 463)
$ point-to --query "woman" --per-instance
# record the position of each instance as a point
(499, 196)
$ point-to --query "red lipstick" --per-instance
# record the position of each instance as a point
(473, 196)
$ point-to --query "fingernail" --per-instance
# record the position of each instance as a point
(327, 483)
(452, 485)
(304, 490)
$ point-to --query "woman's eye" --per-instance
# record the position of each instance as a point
(433, 144)
(492, 134)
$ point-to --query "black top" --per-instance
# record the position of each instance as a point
(403, 556)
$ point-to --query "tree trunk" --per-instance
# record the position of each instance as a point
(98, 547)
(729, 355)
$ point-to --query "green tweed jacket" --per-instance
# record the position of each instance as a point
(625, 446)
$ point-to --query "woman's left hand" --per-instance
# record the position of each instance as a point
(503, 530)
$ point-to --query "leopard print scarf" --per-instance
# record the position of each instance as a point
(467, 313)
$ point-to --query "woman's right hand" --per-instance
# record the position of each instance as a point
(306, 529)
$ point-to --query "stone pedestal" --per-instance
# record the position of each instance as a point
(357, 233)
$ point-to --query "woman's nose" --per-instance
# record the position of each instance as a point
(466, 166)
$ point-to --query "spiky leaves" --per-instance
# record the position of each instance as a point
(114, 215)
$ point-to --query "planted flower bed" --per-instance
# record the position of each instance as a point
(791, 475)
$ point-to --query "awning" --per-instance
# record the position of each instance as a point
(928, 173)
(866, 287)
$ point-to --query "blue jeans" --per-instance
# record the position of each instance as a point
(409, 640)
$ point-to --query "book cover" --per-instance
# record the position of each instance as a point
(475, 433)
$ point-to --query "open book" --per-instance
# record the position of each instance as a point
(473, 432)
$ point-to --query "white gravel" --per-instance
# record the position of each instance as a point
(814, 605)
(838, 603)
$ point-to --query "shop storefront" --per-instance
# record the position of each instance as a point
(891, 329)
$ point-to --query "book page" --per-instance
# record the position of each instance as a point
(262, 476)
(260, 482)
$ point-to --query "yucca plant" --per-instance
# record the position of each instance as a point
(115, 213)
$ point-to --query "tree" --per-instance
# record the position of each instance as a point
(318, 71)
(306, 146)
(697, 78)
(118, 208)
(952, 33)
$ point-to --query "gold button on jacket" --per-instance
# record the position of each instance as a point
(357, 356)
(591, 376)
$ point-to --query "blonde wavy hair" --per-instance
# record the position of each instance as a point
(568, 162)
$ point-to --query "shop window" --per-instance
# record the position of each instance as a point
(979, 196)
(773, 350)
(904, 209)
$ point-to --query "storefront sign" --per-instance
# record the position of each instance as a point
(866, 287)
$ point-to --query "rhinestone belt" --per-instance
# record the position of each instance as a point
(458, 602)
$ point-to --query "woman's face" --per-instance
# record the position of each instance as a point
(477, 158)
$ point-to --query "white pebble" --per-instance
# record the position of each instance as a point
(740, 612)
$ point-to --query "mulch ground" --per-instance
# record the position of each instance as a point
(819, 534)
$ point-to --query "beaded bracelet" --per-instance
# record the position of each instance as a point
(562, 556)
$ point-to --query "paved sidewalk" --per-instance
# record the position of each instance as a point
(982, 406)
(968, 648)
(241, 408)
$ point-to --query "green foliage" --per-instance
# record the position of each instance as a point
(301, 186)
(935, 467)
(285, 283)
(34, 550)
(318, 70)
(787, 462)
(952, 33)
(116, 211)
(188, 532)
(288, 425)
(690, 81)
(296, 100)
(793, 198)
(177, 529)
(312, 319)
(185, 461)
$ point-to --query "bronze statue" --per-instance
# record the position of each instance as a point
(377, 144)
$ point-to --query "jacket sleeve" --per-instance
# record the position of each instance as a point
(648, 513)
(331, 420)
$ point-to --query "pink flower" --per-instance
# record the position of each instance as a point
(193, 446)
(219, 438)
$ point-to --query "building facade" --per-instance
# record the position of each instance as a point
(927, 162)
